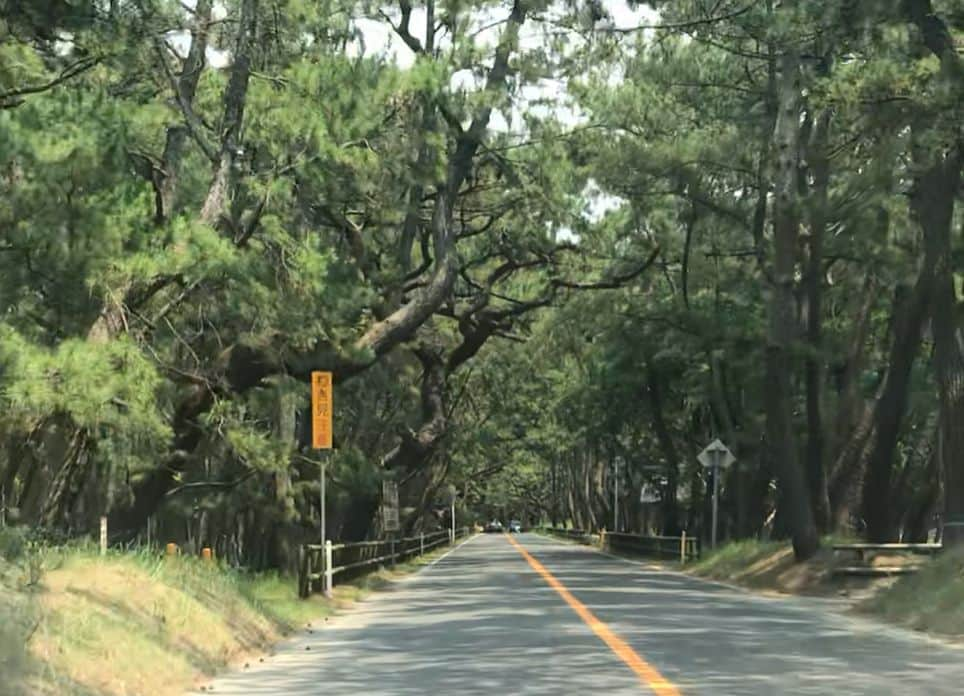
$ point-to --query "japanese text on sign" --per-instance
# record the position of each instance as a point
(321, 408)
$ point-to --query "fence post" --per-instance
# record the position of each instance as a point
(303, 570)
(326, 587)
(682, 548)
(103, 536)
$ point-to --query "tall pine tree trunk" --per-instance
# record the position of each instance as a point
(890, 408)
(932, 203)
(935, 207)
(669, 503)
(816, 447)
(781, 445)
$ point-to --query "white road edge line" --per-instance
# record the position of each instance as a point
(425, 568)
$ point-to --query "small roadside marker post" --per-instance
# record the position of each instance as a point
(421, 544)
(682, 548)
(328, 574)
(103, 536)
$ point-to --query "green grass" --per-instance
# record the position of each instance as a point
(769, 566)
(17, 619)
(932, 599)
(733, 558)
(275, 596)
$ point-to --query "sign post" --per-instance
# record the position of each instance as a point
(451, 494)
(390, 513)
(716, 456)
(616, 462)
(321, 416)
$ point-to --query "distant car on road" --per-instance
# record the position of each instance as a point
(515, 526)
(493, 526)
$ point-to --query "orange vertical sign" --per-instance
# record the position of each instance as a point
(321, 410)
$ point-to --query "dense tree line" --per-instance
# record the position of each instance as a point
(204, 202)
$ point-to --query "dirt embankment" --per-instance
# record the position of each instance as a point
(72, 622)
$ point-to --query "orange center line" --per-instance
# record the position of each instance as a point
(647, 674)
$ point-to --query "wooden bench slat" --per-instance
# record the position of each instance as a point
(876, 570)
(887, 547)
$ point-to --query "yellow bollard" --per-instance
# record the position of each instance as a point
(206, 554)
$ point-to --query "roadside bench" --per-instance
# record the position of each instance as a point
(865, 552)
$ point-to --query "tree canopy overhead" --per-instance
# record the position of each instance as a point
(529, 239)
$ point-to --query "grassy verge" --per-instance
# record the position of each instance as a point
(932, 599)
(765, 566)
(770, 566)
(75, 623)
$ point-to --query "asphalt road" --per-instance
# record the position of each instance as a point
(484, 620)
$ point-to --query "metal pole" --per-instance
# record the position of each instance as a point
(716, 496)
(616, 495)
(321, 496)
(453, 520)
